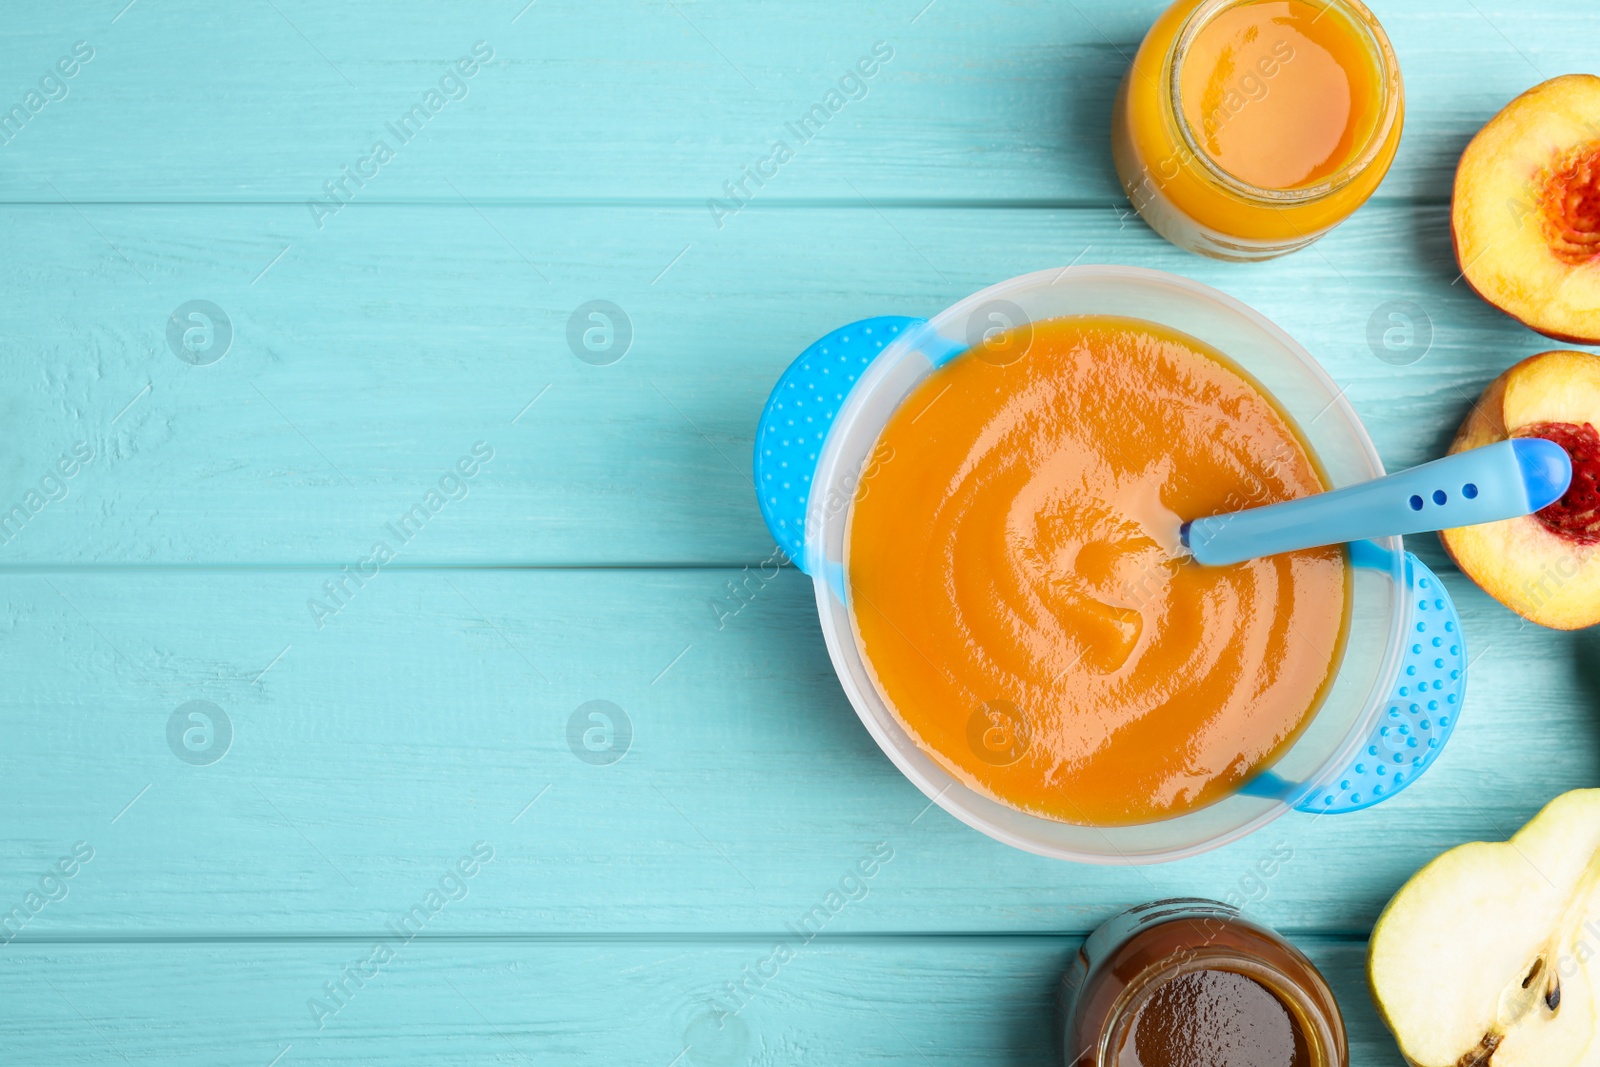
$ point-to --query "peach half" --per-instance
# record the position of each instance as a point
(1544, 566)
(1525, 214)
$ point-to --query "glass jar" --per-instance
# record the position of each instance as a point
(1168, 982)
(1169, 167)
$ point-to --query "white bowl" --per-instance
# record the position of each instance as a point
(1371, 662)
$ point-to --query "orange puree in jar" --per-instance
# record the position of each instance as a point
(1247, 128)
(1278, 92)
(1018, 592)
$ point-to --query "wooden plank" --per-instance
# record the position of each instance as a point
(433, 709)
(615, 100)
(438, 1001)
(363, 367)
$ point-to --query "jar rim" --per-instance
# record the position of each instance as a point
(1390, 89)
(1288, 989)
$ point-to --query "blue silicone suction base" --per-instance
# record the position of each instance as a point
(1423, 709)
(796, 420)
(1417, 719)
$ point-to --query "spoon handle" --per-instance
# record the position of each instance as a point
(1498, 481)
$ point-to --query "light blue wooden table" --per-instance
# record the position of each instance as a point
(395, 766)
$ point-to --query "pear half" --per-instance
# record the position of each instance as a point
(1490, 955)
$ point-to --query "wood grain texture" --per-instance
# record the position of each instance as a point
(362, 367)
(892, 1000)
(590, 558)
(621, 100)
(433, 708)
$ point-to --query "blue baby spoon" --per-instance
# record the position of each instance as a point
(1498, 481)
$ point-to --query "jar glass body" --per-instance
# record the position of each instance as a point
(1190, 199)
(1123, 963)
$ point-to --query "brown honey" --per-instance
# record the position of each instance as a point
(1191, 983)
(1208, 1017)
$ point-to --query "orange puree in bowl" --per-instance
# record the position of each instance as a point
(1018, 591)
